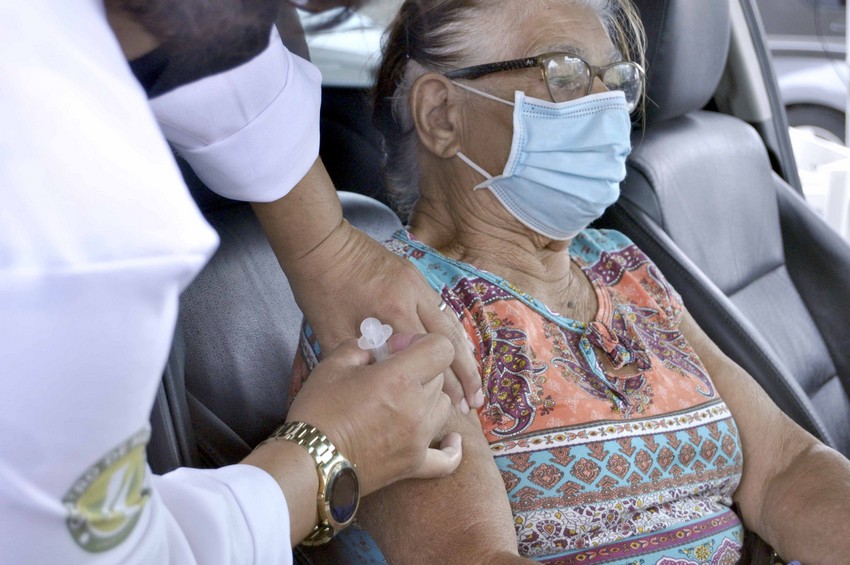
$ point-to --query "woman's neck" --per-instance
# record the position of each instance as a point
(475, 228)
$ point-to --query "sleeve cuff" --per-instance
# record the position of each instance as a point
(250, 133)
(241, 506)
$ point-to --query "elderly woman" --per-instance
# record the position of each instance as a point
(619, 432)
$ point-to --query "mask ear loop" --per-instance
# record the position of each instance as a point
(482, 93)
(472, 164)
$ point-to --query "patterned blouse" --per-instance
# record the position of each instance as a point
(599, 468)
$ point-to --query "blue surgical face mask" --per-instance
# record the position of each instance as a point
(566, 162)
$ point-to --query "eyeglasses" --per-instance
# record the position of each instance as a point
(568, 77)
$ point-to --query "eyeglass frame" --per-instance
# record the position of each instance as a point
(478, 71)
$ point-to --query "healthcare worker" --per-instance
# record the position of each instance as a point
(98, 237)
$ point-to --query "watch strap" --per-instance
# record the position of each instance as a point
(324, 453)
(317, 444)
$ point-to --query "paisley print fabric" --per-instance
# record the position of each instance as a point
(637, 467)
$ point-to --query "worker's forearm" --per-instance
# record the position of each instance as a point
(295, 472)
(300, 222)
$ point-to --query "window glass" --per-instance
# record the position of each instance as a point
(807, 40)
(347, 53)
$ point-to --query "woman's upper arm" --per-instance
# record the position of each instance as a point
(769, 439)
(463, 518)
(456, 519)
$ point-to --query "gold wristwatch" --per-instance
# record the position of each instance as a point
(339, 487)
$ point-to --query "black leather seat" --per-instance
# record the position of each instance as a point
(225, 386)
(351, 147)
(762, 274)
(227, 383)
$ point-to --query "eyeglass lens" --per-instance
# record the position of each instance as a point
(569, 78)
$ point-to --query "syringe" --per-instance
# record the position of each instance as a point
(374, 337)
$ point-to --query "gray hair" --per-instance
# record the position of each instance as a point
(434, 36)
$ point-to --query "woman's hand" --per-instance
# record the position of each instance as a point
(340, 276)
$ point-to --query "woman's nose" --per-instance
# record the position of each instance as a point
(598, 86)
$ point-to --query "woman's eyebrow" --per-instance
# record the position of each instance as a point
(612, 55)
(569, 49)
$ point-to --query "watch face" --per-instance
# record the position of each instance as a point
(343, 495)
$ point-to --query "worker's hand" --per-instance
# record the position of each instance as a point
(352, 277)
(340, 276)
(384, 416)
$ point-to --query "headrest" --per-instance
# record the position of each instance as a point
(687, 45)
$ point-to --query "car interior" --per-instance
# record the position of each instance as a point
(712, 196)
(808, 48)
(701, 185)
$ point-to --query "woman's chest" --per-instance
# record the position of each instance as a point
(539, 374)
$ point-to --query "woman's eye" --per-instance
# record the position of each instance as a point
(566, 83)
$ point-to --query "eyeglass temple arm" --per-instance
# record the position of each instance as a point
(479, 71)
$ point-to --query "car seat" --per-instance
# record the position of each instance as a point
(227, 389)
(226, 386)
(765, 277)
(351, 147)
(226, 383)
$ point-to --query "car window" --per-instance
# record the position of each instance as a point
(807, 41)
(820, 21)
(348, 52)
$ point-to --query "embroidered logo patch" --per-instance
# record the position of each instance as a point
(105, 503)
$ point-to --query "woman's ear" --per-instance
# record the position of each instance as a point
(435, 115)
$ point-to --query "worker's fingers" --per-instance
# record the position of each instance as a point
(401, 341)
(441, 462)
(463, 381)
(448, 381)
(349, 354)
(433, 390)
(423, 357)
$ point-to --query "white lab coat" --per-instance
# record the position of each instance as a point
(98, 237)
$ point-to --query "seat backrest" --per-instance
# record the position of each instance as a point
(351, 146)
(226, 386)
(226, 383)
(702, 200)
(241, 328)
